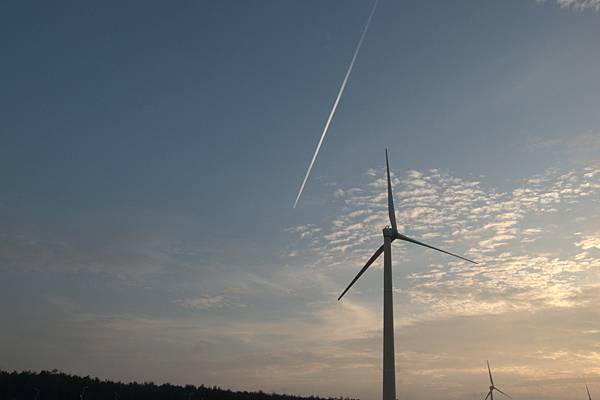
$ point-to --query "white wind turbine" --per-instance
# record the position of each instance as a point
(493, 387)
(390, 233)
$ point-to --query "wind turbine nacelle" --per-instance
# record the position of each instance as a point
(389, 231)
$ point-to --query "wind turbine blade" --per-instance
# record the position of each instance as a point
(335, 104)
(362, 271)
(506, 394)
(391, 211)
(588, 392)
(407, 239)
(490, 372)
(488, 395)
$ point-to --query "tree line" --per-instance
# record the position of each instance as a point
(55, 385)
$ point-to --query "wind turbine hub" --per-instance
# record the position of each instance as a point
(388, 232)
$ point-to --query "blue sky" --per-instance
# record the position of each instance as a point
(151, 154)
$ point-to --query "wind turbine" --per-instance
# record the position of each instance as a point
(493, 387)
(588, 391)
(390, 233)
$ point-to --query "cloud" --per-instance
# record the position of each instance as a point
(582, 148)
(128, 248)
(504, 231)
(203, 303)
(533, 296)
(577, 5)
(588, 242)
(327, 348)
(580, 5)
(304, 231)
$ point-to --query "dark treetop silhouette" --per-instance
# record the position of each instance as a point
(54, 385)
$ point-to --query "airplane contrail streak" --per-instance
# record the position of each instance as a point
(335, 104)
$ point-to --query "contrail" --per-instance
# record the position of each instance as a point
(335, 104)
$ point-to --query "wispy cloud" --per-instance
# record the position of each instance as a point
(580, 5)
(504, 230)
(581, 149)
(588, 242)
(203, 303)
(128, 249)
(577, 5)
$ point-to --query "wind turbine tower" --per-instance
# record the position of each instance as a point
(390, 233)
(493, 387)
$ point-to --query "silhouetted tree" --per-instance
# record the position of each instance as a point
(55, 385)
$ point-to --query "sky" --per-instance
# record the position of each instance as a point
(150, 154)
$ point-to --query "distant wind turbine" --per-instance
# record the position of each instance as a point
(588, 391)
(493, 387)
(335, 104)
(389, 235)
